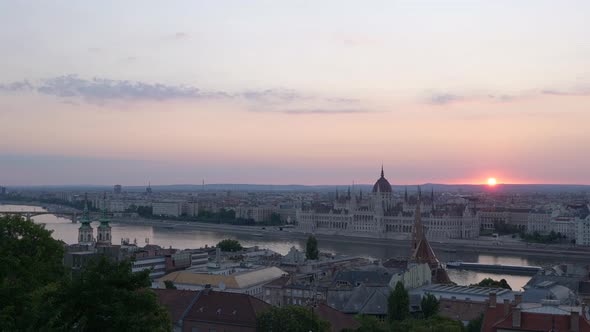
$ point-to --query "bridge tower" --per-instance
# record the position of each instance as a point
(104, 229)
(85, 232)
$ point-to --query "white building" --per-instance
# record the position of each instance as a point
(156, 264)
(191, 209)
(583, 232)
(379, 214)
(257, 213)
(171, 209)
(563, 225)
(199, 259)
(245, 282)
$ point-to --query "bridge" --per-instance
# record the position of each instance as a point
(28, 214)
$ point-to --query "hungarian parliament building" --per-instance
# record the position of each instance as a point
(380, 214)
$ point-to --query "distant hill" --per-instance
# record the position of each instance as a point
(465, 188)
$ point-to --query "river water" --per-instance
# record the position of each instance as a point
(64, 229)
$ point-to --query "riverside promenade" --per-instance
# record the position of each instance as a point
(482, 245)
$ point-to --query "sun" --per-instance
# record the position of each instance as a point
(492, 182)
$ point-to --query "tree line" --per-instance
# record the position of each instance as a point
(37, 293)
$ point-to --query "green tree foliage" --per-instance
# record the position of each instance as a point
(36, 294)
(434, 324)
(224, 214)
(290, 319)
(398, 303)
(429, 305)
(275, 219)
(229, 245)
(489, 282)
(30, 264)
(107, 297)
(311, 248)
(536, 237)
(370, 324)
(169, 284)
(503, 228)
(475, 325)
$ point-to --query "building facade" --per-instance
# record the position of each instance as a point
(169, 209)
(380, 214)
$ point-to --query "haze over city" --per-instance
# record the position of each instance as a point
(294, 93)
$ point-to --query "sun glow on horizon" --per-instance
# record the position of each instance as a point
(492, 182)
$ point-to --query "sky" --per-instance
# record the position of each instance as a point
(294, 92)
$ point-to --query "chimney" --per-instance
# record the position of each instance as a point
(516, 317)
(492, 299)
(517, 298)
(506, 307)
(575, 321)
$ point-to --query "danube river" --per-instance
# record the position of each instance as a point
(64, 229)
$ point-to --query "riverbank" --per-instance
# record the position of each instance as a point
(510, 248)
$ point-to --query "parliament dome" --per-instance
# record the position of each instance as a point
(382, 185)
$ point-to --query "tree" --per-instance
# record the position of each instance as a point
(229, 245)
(475, 325)
(311, 248)
(169, 284)
(436, 323)
(106, 297)
(369, 324)
(275, 219)
(398, 303)
(489, 282)
(429, 305)
(30, 264)
(290, 319)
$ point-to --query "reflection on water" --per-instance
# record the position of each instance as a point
(63, 229)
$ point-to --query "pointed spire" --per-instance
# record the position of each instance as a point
(85, 220)
(85, 202)
(348, 195)
(419, 195)
(382, 173)
(418, 233)
(406, 195)
(432, 197)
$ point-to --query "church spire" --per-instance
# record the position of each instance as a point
(418, 226)
(85, 233)
(382, 173)
(104, 229)
(406, 195)
(432, 198)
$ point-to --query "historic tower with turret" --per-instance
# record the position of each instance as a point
(104, 229)
(85, 232)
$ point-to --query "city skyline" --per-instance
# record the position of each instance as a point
(297, 93)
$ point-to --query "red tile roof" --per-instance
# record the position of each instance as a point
(176, 301)
(338, 320)
(495, 319)
(226, 308)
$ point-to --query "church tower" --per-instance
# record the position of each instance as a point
(422, 251)
(104, 229)
(85, 232)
